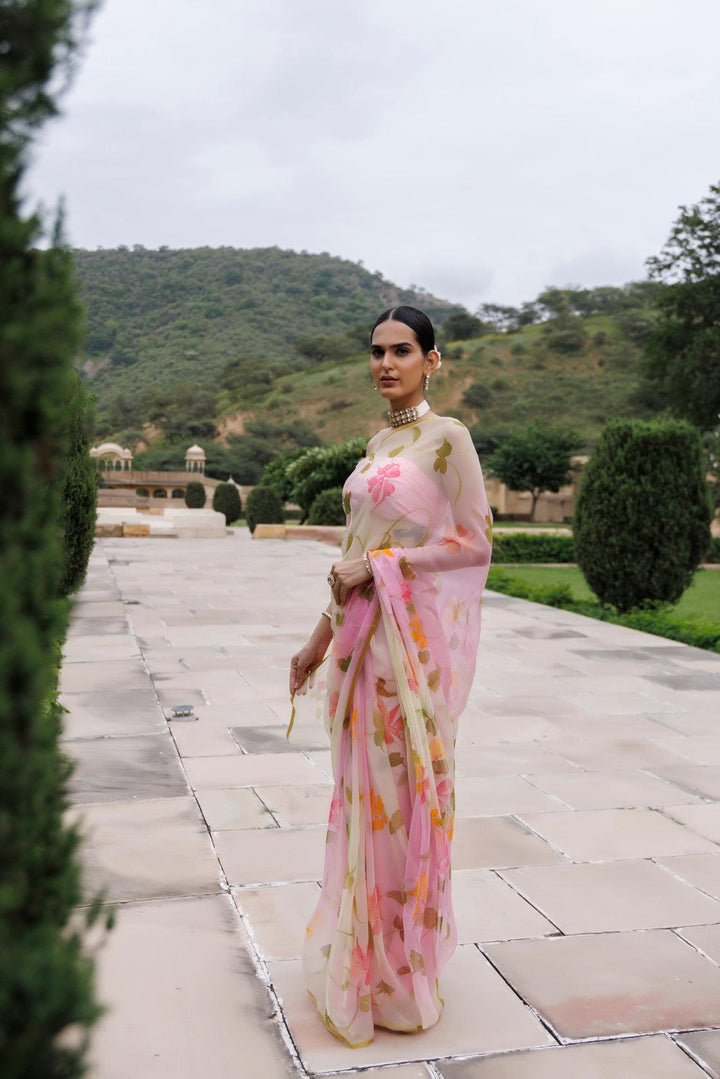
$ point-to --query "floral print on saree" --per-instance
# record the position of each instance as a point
(401, 665)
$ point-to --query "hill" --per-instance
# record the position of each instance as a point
(255, 351)
(159, 318)
(495, 383)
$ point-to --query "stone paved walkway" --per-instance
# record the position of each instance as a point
(586, 858)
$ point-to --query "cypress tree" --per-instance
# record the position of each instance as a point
(642, 521)
(46, 983)
(79, 491)
(195, 495)
(227, 500)
(263, 507)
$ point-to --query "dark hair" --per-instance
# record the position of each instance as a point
(418, 322)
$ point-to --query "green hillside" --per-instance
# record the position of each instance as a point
(156, 318)
(522, 377)
(253, 351)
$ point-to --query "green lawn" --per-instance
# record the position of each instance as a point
(701, 600)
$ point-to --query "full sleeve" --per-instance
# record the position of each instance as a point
(467, 539)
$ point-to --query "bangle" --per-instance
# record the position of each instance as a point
(366, 560)
(327, 615)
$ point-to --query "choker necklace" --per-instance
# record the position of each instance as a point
(408, 415)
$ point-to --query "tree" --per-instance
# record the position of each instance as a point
(642, 522)
(322, 467)
(264, 507)
(78, 491)
(478, 395)
(195, 496)
(327, 509)
(535, 460)
(227, 500)
(461, 326)
(46, 980)
(683, 353)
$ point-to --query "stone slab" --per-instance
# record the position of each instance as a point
(700, 870)
(232, 808)
(499, 843)
(605, 984)
(146, 849)
(278, 916)
(487, 908)
(183, 998)
(257, 769)
(654, 1057)
(599, 834)
(614, 789)
(271, 855)
(115, 769)
(599, 898)
(502, 1022)
(704, 1045)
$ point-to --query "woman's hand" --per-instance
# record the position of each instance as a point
(348, 574)
(304, 663)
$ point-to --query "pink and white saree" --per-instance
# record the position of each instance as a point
(400, 668)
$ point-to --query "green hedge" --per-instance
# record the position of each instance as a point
(263, 507)
(195, 496)
(651, 619)
(227, 500)
(526, 547)
(713, 554)
(327, 509)
(78, 490)
(642, 520)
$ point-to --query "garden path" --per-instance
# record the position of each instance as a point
(586, 857)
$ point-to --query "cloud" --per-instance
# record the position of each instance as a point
(482, 151)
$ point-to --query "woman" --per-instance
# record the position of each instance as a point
(404, 622)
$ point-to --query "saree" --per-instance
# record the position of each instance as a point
(400, 668)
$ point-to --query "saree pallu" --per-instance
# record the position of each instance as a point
(398, 677)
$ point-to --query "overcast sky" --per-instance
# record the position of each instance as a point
(480, 150)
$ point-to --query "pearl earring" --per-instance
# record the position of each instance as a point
(426, 381)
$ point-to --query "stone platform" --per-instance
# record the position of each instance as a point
(586, 858)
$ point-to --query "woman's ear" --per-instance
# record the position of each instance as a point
(434, 357)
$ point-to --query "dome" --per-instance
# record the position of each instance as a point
(109, 447)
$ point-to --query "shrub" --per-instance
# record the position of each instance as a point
(78, 491)
(525, 547)
(478, 395)
(327, 509)
(263, 507)
(643, 514)
(227, 500)
(713, 552)
(195, 496)
(321, 467)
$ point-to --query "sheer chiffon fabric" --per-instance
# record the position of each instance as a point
(400, 668)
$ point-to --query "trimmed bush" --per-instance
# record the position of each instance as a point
(227, 500)
(642, 523)
(263, 507)
(327, 509)
(195, 495)
(78, 491)
(713, 553)
(526, 547)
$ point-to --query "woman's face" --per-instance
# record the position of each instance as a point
(398, 364)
